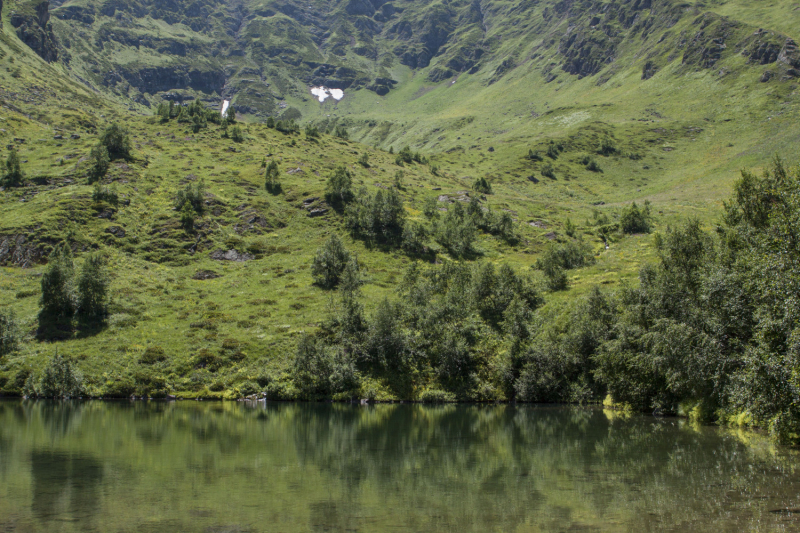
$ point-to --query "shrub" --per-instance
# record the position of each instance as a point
(100, 163)
(287, 127)
(322, 370)
(591, 164)
(339, 186)
(153, 355)
(105, 194)
(413, 239)
(548, 171)
(92, 293)
(230, 116)
(187, 217)
(364, 160)
(60, 379)
(635, 220)
(607, 147)
(456, 231)
(436, 396)
(482, 186)
(341, 133)
(379, 217)
(236, 134)
(9, 333)
(193, 195)
(13, 176)
(58, 291)
(272, 178)
(312, 132)
(329, 262)
(534, 156)
(552, 151)
(569, 228)
(431, 208)
(116, 140)
(198, 122)
(270, 122)
(398, 179)
(558, 258)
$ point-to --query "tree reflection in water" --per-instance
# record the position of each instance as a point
(192, 466)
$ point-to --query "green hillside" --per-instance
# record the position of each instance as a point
(510, 134)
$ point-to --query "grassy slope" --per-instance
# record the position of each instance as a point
(714, 126)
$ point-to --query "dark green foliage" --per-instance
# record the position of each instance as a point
(569, 228)
(339, 188)
(65, 295)
(329, 262)
(635, 220)
(591, 164)
(237, 135)
(270, 122)
(341, 133)
(116, 140)
(712, 323)
(398, 180)
(272, 178)
(106, 195)
(187, 217)
(482, 186)
(414, 237)
(321, 370)
(378, 218)
(230, 115)
(60, 379)
(404, 156)
(557, 364)
(58, 291)
(312, 132)
(558, 258)
(500, 225)
(552, 151)
(431, 208)
(607, 147)
(92, 291)
(9, 333)
(456, 231)
(194, 195)
(440, 326)
(548, 171)
(364, 160)
(100, 161)
(534, 156)
(13, 176)
(288, 127)
(198, 122)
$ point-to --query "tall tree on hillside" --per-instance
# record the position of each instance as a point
(13, 175)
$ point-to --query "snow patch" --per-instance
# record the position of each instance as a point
(225, 104)
(322, 93)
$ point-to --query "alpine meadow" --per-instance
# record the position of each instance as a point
(524, 201)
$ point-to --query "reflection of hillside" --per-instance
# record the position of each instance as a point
(201, 466)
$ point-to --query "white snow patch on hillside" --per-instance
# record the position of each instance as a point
(322, 93)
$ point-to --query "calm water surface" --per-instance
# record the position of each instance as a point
(231, 467)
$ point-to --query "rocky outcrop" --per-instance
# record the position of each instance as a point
(32, 22)
(165, 78)
(17, 250)
(382, 86)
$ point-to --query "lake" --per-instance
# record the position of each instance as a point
(286, 467)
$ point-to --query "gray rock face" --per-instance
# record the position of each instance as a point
(34, 29)
(230, 255)
(17, 250)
